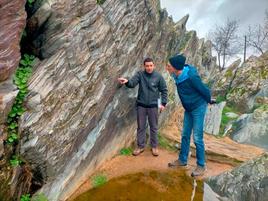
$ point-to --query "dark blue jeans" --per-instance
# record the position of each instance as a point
(193, 120)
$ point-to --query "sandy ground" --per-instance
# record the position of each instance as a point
(124, 165)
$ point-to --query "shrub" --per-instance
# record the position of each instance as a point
(25, 197)
(100, 2)
(126, 151)
(99, 180)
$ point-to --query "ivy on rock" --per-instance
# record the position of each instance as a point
(20, 79)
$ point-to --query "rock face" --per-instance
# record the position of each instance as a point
(198, 53)
(223, 79)
(77, 114)
(8, 93)
(247, 89)
(252, 128)
(213, 118)
(12, 23)
(249, 182)
(245, 81)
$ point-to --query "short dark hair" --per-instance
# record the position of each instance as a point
(148, 59)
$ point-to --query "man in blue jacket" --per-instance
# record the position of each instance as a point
(194, 96)
(151, 86)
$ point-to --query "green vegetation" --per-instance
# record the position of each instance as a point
(228, 73)
(264, 73)
(260, 106)
(225, 119)
(126, 151)
(99, 180)
(238, 91)
(15, 161)
(165, 143)
(100, 2)
(220, 99)
(21, 77)
(25, 197)
(39, 197)
(263, 107)
(171, 96)
(30, 3)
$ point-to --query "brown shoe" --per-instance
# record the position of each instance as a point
(155, 152)
(199, 171)
(176, 163)
(137, 151)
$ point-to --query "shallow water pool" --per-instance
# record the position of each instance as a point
(148, 186)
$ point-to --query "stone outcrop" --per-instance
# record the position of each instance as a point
(12, 23)
(246, 88)
(249, 80)
(78, 116)
(213, 118)
(223, 80)
(252, 128)
(198, 53)
(8, 93)
(244, 82)
(246, 182)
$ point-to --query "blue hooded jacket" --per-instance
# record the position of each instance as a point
(192, 91)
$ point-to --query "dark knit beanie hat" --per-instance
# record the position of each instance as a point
(177, 61)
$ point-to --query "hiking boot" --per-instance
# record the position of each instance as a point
(177, 163)
(199, 171)
(155, 152)
(137, 151)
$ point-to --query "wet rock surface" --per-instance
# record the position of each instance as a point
(248, 182)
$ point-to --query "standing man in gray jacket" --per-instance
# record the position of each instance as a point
(151, 85)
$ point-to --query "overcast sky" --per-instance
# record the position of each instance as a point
(204, 14)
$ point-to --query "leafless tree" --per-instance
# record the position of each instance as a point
(225, 41)
(257, 36)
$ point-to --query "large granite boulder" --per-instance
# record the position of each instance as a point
(250, 79)
(248, 182)
(261, 98)
(242, 83)
(252, 128)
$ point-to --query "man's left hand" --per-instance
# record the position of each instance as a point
(162, 107)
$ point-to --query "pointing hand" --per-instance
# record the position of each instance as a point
(122, 80)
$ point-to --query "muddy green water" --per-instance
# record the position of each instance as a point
(148, 186)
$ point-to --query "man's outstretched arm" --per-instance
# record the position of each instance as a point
(132, 82)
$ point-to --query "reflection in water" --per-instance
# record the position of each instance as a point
(193, 192)
(148, 186)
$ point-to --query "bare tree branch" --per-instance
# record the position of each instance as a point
(257, 37)
(225, 41)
